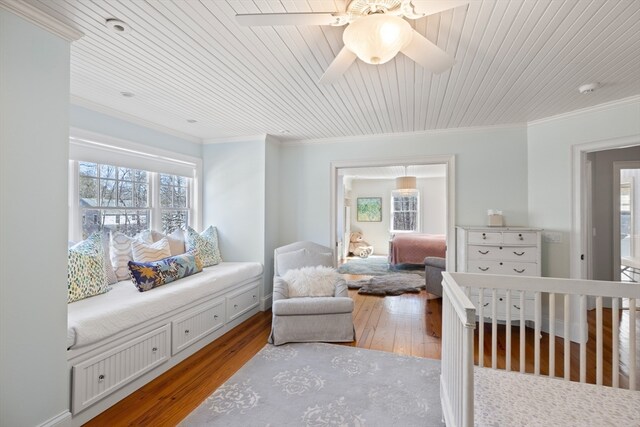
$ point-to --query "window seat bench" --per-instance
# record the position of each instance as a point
(120, 340)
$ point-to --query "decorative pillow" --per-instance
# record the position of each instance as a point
(318, 281)
(292, 260)
(85, 269)
(205, 244)
(108, 267)
(176, 240)
(147, 252)
(149, 275)
(120, 251)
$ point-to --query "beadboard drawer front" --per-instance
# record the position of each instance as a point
(501, 305)
(500, 267)
(194, 325)
(242, 301)
(520, 238)
(506, 253)
(95, 378)
(485, 237)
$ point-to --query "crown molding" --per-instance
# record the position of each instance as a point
(359, 138)
(99, 108)
(243, 138)
(600, 107)
(41, 19)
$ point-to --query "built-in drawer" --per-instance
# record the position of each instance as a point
(517, 308)
(520, 238)
(242, 301)
(503, 267)
(485, 237)
(100, 376)
(196, 324)
(505, 253)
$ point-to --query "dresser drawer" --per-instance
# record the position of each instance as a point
(242, 301)
(196, 324)
(501, 304)
(100, 376)
(485, 237)
(520, 238)
(503, 267)
(503, 253)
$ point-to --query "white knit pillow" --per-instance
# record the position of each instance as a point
(145, 252)
(316, 281)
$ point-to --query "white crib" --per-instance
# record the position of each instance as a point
(503, 300)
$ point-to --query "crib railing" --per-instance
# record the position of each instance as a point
(527, 302)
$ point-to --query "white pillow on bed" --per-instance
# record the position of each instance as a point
(316, 281)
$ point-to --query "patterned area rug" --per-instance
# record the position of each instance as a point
(325, 385)
(390, 284)
(377, 266)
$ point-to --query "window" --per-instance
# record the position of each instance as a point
(405, 210)
(120, 198)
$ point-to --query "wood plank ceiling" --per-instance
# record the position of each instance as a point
(516, 61)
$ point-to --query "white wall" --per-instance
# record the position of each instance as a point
(272, 209)
(550, 169)
(34, 132)
(491, 172)
(432, 209)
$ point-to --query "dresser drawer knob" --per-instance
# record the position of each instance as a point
(235, 305)
(484, 235)
(518, 253)
(100, 378)
(483, 252)
(215, 316)
(518, 271)
(186, 331)
(520, 237)
(154, 349)
(254, 297)
(483, 268)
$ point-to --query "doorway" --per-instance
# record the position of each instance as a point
(626, 221)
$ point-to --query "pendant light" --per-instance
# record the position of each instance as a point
(406, 183)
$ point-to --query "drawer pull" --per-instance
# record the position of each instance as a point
(215, 316)
(254, 297)
(516, 307)
(483, 253)
(519, 271)
(500, 299)
(235, 305)
(484, 236)
(518, 253)
(483, 269)
(486, 305)
(154, 349)
(520, 237)
(186, 331)
(100, 378)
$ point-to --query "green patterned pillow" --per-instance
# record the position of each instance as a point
(204, 244)
(85, 269)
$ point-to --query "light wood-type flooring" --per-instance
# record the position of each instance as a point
(407, 324)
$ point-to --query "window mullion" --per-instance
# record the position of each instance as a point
(154, 202)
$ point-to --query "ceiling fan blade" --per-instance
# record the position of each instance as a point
(427, 54)
(338, 66)
(275, 19)
(430, 7)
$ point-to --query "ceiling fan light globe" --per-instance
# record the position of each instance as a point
(377, 38)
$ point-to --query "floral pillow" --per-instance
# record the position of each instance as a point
(204, 244)
(149, 275)
(86, 275)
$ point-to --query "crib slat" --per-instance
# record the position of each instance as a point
(536, 339)
(599, 340)
(508, 349)
(583, 338)
(632, 343)
(481, 327)
(552, 335)
(494, 329)
(522, 333)
(567, 337)
(615, 332)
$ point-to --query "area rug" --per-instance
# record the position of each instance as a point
(377, 266)
(325, 385)
(390, 284)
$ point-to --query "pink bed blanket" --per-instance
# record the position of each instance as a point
(414, 248)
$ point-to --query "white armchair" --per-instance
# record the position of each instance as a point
(308, 319)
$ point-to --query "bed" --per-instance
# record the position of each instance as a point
(413, 248)
(487, 396)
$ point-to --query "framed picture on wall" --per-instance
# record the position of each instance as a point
(369, 209)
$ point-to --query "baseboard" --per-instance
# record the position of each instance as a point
(63, 419)
(265, 302)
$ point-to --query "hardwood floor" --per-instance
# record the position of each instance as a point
(407, 324)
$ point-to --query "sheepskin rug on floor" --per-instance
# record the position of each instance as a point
(390, 284)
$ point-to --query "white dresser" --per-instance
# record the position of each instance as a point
(500, 250)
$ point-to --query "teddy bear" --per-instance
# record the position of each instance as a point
(357, 246)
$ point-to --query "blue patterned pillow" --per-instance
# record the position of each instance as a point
(149, 275)
(204, 244)
(86, 269)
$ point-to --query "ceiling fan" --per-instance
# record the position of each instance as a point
(375, 32)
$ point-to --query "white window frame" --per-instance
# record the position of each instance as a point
(97, 148)
(394, 193)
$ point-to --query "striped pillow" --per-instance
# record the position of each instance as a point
(120, 252)
(148, 252)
